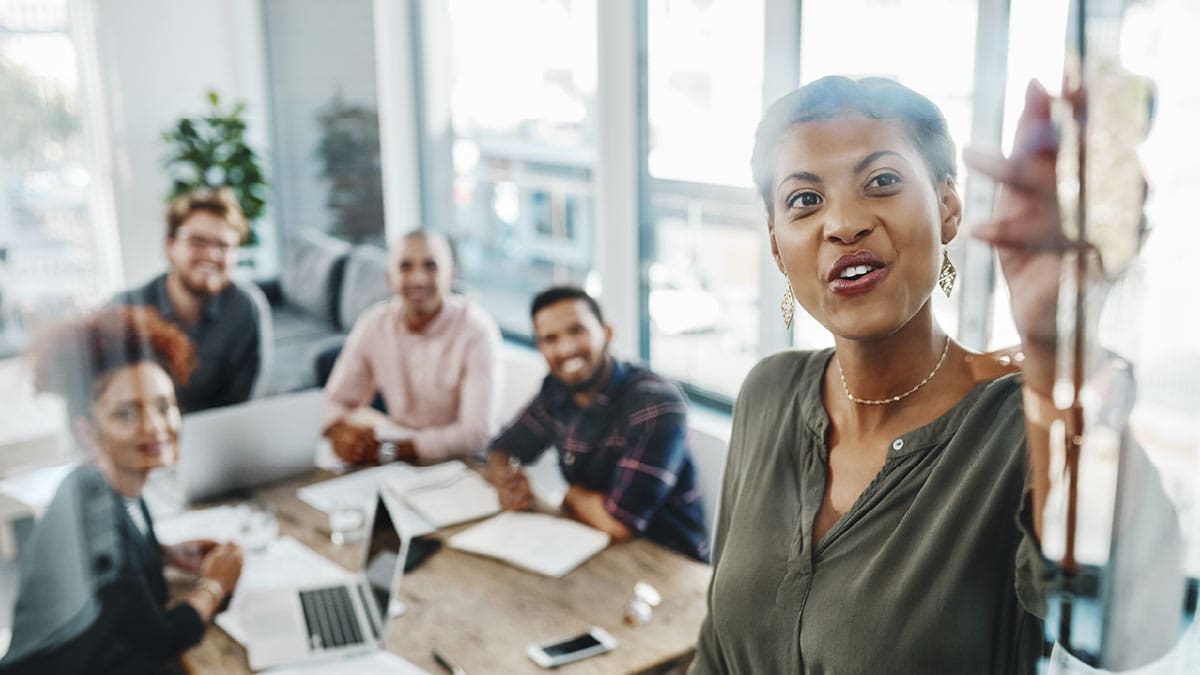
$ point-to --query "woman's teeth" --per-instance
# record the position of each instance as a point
(856, 271)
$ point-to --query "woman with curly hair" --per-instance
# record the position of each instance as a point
(92, 597)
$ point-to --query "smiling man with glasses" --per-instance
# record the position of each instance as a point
(223, 319)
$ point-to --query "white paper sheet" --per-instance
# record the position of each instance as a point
(285, 564)
(219, 523)
(372, 663)
(536, 542)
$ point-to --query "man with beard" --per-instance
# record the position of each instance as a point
(621, 432)
(431, 354)
(223, 319)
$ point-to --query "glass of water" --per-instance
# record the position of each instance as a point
(347, 523)
(259, 528)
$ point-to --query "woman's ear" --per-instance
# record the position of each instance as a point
(775, 246)
(949, 208)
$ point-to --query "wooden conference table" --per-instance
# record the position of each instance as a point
(482, 613)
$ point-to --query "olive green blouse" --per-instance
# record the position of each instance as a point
(934, 569)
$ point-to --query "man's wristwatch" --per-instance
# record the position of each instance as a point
(387, 452)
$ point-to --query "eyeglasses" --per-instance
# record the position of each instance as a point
(201, 243)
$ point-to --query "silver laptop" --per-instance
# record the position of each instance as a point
(254, 443)
(293, 625)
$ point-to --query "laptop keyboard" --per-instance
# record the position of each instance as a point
(330, 618)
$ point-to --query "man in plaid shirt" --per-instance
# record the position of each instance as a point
(621, 432)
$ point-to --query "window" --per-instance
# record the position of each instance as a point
(325, 119)
(52, 253)
(705, 75)
(522, 148)
(857, 38)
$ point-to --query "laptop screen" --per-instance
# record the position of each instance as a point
(383, 554)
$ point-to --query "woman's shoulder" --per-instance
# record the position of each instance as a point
(1001, 394)
(780, 371)
(80, 489)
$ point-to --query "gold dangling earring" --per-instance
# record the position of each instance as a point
(948, 274)
(787, 306)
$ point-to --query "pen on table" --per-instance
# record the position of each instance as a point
(447, 664)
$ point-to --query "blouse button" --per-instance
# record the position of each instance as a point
(898, 443)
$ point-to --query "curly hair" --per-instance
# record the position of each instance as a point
(74, 359)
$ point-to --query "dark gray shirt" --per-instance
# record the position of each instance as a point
(933, 570)
(92, 596)
(226, 339)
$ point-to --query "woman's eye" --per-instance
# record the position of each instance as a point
(125, 415)
(804, 199)
(884, 180)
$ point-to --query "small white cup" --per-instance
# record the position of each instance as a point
(347, 523)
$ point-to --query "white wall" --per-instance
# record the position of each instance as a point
(316, 49)
(156, 60)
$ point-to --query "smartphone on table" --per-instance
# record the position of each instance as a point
(556, 652)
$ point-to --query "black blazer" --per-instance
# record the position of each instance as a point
(92, 595)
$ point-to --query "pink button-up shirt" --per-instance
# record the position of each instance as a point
(442, 382)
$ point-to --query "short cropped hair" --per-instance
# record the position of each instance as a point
(835, 96)
(221, 203)
(75, 359)
(556, 294)
(427, 235)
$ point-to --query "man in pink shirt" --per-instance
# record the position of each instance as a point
(431, 354)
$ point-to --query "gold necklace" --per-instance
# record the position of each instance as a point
(893, 399)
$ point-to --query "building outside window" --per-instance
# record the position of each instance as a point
(887, 42)
(52, 256)
(704, 81)
(522, 148)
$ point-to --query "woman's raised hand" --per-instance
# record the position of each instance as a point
(1026, 228)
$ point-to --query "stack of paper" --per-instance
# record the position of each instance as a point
(536, 542)
(464, 498)
(459, 496)
(219, 523)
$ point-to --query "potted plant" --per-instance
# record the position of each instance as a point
(211, 152)
(349, 155)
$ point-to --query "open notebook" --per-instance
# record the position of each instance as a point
(458, 497)
(434, 496)
(536, 542)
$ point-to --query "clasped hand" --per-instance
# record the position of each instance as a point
(204, 557)
(357, 444)
(511, 483)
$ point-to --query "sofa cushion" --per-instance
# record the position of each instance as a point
(312, 274)
(364, 283)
